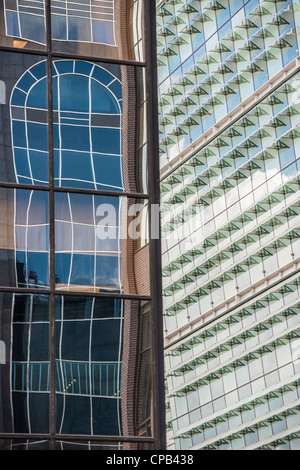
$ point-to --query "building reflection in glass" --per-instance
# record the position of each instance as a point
(90, 344)
(99, 358)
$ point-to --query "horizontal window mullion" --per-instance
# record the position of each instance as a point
(110, 295)
(62, 55)
(77, 437)
(74, 190)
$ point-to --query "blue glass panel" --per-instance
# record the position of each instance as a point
(75, 340)
(75, 138)
(38, 378)
(102, 75)
(106, 340)
(56, 155)
(20, 342)
(39, 412)
(21, 308)
(56, 138)
(26, 82)
(37, 97)
(38, 211)
(19, 376)
(223, 31)
(63, 236)
(18, 98)
(21, 162)
(82, 270)
(223, 16)
(39, 166)
(37, 136)
(37, 269)
(20, 408)
(82, 208)
(235, 6)
(290, 54)
(251, 5)
(77, 308)
(79, 29)
(106, 140)
(64, 66)
(40, 308)
(107, 308)
(233, 101)
(59, 27)
(102, 100)
(105, 416)
(19, 134)
(24, 180)
(207, 122)
(12, 24)
(103, 32)
(76, 165)
(116, 88)
(83, 67)
(286, 157)
(76, 418)
(113, 201)
(59, 385)
(39, 70)
(77, 184)
(32, 27)
(260, 78)
(174, 63)
(108, 170)
(62, 267)
(22, 201)
(74, 93)
(39, 344)
(107, 272)
(290, 170)
(20, 268)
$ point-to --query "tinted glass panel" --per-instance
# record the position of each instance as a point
(23, 99)
(24, 363)
(94, 141)
(96, 247)
(24, 248)
(87, 129)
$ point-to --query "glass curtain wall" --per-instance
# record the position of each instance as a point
(76, 318)
(230, 160)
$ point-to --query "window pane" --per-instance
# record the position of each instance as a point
(24, 384)
(25, 246)
(23, 135)
(97, 247)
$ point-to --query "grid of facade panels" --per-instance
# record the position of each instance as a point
(76, 310)
(229, 125)
(212, 56)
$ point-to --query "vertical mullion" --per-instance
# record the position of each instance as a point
(51, 230)
(157, 346)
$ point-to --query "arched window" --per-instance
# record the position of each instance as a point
(87, 126)
(87, 103)
(76, 20)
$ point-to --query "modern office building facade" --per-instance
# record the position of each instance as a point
(79, 321)
(229, 89)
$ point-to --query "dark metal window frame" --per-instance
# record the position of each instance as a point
(158, 440)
